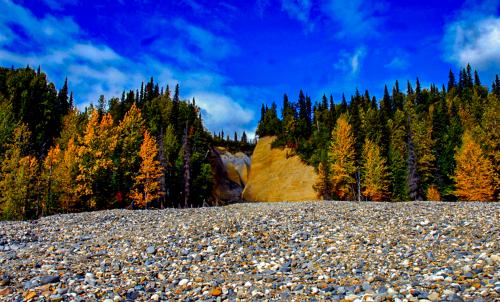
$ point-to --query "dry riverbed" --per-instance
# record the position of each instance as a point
(313, 251)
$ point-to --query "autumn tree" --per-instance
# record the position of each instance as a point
(49, 183)
(65, 174)
(147, 187)
(374, 174)
(323, 184)
(433, 193)
(95, 166)
(18, 181)
(474, 172)
(130, 132)
(342, 159)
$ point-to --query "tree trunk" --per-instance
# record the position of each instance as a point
(187, 166)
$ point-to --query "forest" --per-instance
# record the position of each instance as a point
(436, 143)
(146, 148)
(150, 148)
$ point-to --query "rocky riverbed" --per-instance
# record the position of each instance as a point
(258, 252)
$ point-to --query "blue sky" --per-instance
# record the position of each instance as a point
(234, 55)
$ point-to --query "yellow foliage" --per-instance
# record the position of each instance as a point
(18, 178)
(375, 174)
(341, 157)
(474, 172)
(65, 172)
(97, 146)
(49, 182)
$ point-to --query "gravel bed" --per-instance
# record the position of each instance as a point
(311, 251)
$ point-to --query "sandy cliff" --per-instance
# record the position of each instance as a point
(274, 177)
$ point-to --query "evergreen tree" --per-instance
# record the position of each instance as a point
(397, 156)
(451, 81)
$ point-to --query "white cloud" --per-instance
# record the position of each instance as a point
(222, 112)
(93, 53)
(62, 49)
(351, 62)
(473, 36)
(476, 42)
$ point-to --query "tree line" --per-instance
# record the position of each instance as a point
(147, 147)
(426, 143)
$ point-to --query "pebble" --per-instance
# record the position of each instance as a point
(310, 251)
(151, 249)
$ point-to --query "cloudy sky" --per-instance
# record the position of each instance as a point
(234, 55)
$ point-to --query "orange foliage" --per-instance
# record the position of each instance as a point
(147, 185)
(433, 193)
(65, 175)
(474, 172)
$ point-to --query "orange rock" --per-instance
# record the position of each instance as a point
(216, 292)
(198, 279)
(29, 295)
(6, 291)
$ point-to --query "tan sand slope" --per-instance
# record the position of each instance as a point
(274, 177)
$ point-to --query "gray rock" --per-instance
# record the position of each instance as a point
(151, 249)
(49, 279)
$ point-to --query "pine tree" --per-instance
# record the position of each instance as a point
(147, 187)
(374, 174)
(474, 172)
(244, 138)
(62, 97)
(477, 81)
(397, 156)
(342, 159)
(451, 81)
(7, 124)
